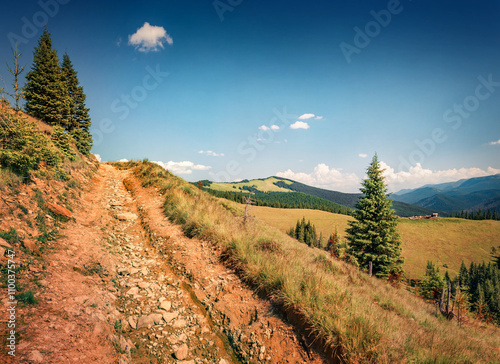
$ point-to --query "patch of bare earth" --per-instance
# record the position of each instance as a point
(124, 285)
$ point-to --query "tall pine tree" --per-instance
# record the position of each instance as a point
(79, 114)
(373, 236)
(45, 92)
(79, 119)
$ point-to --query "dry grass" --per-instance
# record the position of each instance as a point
(266, 185)
(444, 241)
(363, 318)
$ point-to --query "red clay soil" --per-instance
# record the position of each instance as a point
(122, 284)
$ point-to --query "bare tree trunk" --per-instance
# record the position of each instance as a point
(448, 300)
(441, 301)
(370, 268)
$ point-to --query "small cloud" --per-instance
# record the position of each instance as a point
(98, 157)
(272, 127)
(306, 116)
(495, 143)
(211, 153)
(119, 42)
(299, 125)
(149, 38)
(319, 118)
(324, 176)
(362, 155)
(185, 167)
(123, 160)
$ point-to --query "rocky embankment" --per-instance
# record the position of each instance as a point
(123, 284)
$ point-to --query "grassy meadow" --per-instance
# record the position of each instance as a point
(445, 241)
(263, 185)
(353, 317)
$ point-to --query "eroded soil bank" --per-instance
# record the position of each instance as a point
(122, 284)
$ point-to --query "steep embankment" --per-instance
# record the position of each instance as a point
(120, 282)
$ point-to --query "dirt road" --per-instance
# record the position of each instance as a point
(124, 285)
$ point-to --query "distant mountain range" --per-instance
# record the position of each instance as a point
(277, 185)
(467, 195)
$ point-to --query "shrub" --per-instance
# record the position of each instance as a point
(83, 140)
(63, 140)
(27, 297)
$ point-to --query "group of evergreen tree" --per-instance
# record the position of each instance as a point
(306, 233)
(479, 286)
(490, 214)
(53, 94)
(482, 283)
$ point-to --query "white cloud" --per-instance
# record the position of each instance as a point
(362, 155)
(98, 157)
(325, 177)
(273, 127)
(318, 118)
(418, 176)
(119, 41)
(306, 116)
(211, 153)
(495, 143)
(149, 38)
(299, 125)
(124, 160)
(185, 167)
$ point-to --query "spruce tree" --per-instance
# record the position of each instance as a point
(45, 92)
(79, 114)
(79, 119)
(373, 236)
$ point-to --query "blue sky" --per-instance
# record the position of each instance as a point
(234, 89)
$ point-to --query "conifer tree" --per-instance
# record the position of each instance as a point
(45, 92)
(79, 114)
(373, 236)
(79, 119)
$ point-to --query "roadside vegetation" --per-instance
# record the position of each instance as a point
(352, 316)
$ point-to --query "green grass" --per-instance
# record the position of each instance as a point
(444, 241)
(265, 185)
(365, 319)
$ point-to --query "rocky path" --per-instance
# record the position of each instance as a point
(126, 286)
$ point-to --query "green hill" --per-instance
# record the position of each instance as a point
(283, 185)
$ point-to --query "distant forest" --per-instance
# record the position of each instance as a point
(289, 200)
(478, 215)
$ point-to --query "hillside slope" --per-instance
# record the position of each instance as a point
(445, 241)
(346, 314)
(278, 184)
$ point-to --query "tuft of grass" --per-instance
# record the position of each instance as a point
(27, 298)
(9, 179)
(361, 319)
(11, 236)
